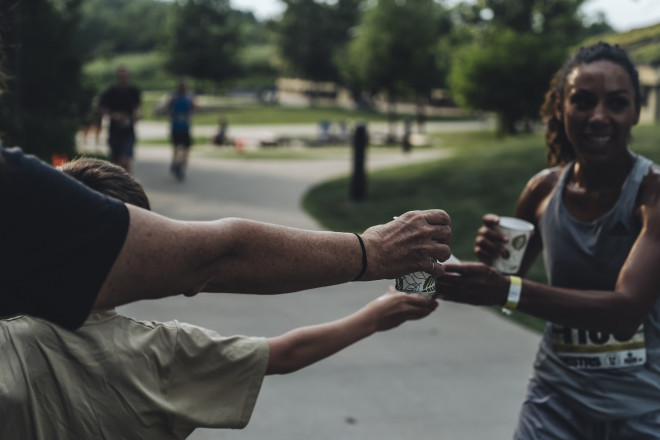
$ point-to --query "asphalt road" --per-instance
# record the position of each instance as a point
(459, 374)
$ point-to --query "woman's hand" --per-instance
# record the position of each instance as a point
(489, 243)
(472, 283)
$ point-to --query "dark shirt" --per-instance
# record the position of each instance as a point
(59, 241)
(121, 100)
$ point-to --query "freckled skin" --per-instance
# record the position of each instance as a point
(163, 257)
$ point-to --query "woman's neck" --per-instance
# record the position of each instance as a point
(595, 176)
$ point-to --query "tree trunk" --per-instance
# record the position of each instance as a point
(421, 115)
(391, 120)
(506, 124)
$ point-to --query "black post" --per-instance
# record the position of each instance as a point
(407, 128)
(358, 187)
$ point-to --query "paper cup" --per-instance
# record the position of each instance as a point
(421, 283)
(518, 232)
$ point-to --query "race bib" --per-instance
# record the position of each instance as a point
(588, 349)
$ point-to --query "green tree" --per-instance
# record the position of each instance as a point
(110, 27)
(312, 33)
(394, 51)
(204, 40)
(508, 74)
(258, 57)
(44, 96)
(515, 49)
(597, 26)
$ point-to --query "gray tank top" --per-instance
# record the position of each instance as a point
(596, 373)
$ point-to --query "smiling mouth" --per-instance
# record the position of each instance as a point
(599, 139)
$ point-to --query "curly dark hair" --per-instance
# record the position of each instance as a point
(560, 151)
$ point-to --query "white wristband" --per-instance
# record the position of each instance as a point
(514, 295)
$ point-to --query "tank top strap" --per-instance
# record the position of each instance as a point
(633, 182)
(555, 199)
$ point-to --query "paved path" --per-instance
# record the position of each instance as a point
(458, 375)
(252, 134)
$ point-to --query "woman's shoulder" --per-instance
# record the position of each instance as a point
(650, 188)
(537, 192)
(543, 182)
(648, 197)
(654, 170)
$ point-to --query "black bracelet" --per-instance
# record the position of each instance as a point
(364, 259)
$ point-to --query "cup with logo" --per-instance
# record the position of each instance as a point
(518, 232)
(421, 283)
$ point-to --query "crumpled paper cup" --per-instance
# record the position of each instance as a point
(420, 283)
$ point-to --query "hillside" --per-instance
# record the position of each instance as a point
(642, 44)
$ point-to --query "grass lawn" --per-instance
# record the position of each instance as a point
(240, 113)
(485, 174)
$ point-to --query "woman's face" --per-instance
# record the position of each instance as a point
(598, 110)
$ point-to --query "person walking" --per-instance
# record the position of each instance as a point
(181, 107)
(121, 103)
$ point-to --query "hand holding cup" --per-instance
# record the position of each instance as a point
(501, 242)
(414, 241)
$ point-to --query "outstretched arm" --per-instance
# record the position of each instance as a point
(163, 257)
(304, 346)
